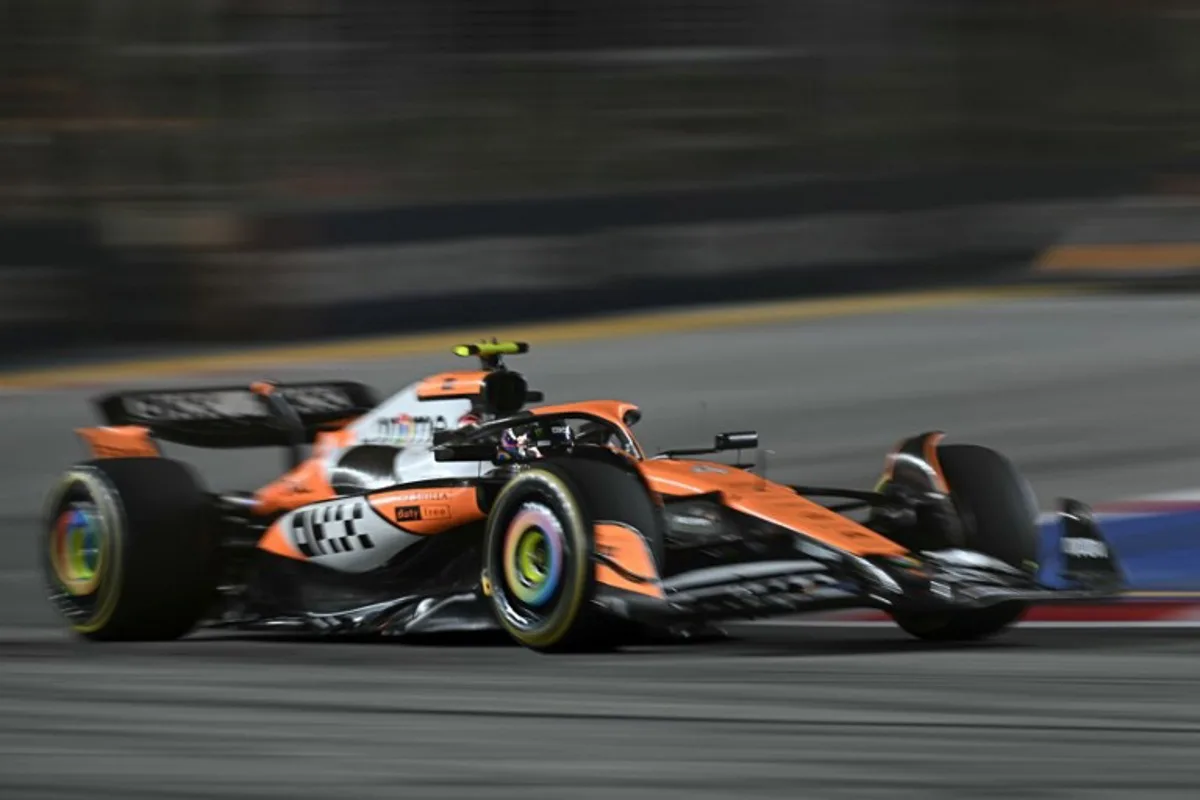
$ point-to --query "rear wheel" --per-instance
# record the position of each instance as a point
(999, 514)
(128, 549)
(538, 568)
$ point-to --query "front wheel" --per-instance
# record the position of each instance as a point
(999, 514)
(538, 570)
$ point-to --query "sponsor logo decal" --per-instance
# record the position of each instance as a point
(316, 399)
(439, 512)
(423, 512)
(193, 405)
(1084, 548)
(408, 513)
(417, 497)
(405, 429)
(187, 406)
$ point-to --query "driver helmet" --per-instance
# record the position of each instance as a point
(535, 441)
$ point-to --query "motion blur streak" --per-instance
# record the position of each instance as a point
(628, 325)
(839, 713)
(281, 170)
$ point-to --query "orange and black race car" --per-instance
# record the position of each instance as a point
(457, 504)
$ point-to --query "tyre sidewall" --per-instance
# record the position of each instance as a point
(996, 503)
(551, 487)
(89, 614)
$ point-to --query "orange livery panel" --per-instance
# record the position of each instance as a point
(919, 453)
(448, 385)
(119, 441)
(303, 485)
(430, 510)
(276, 541)
(627, 549)
(931, 457)
(618, 412)
(753, 495)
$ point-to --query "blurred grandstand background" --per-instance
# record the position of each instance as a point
(162, 162)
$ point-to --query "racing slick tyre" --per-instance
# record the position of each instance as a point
(999, 513)
(128, 549)
(538, 568)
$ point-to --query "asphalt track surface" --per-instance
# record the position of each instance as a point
(1095, 397)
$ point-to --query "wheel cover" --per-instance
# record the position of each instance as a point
(538, 612)
(77, 547)
(534, 544)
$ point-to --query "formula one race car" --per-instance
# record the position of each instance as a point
(455, 506)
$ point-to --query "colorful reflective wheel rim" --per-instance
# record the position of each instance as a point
(533, 555)
(77, 550)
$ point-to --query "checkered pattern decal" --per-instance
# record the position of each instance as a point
(331, 529)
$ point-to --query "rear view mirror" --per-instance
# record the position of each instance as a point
(737, 440)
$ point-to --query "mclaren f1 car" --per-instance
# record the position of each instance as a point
(464, 503)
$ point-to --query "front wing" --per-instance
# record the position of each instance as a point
(930, 581)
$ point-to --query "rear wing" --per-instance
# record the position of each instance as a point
(237, 416)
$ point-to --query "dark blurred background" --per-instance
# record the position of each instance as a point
(257, 170)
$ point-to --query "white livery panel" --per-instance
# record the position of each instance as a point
(346, 535)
